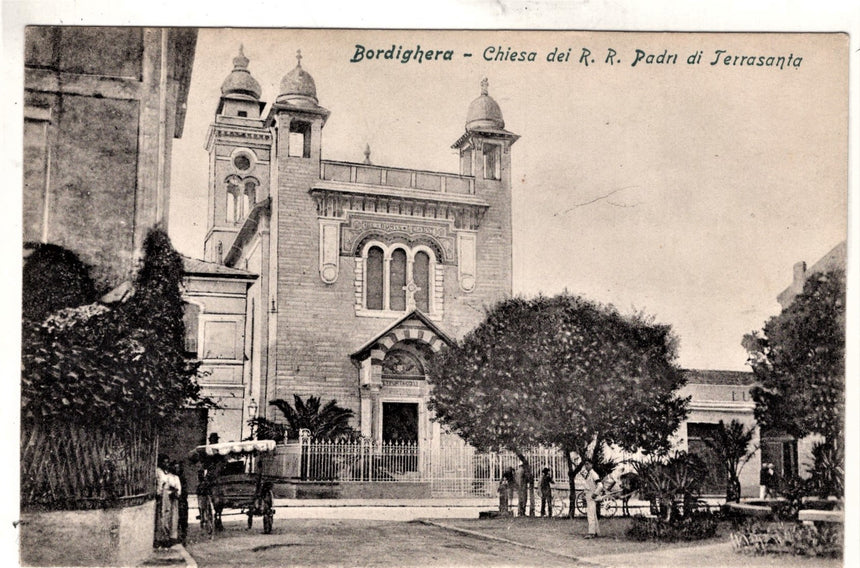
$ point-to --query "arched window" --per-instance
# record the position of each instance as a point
(397, 287)
(234, 200)
(397, 278)
(375, 278)
(421, 278)
(250, 196)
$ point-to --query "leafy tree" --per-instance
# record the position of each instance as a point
(113, 367)
(731, 444)
(560, 371)
(799, 361)
(265, 429)
(325, 422)
(53, 278)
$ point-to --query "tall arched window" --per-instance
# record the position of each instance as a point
(374, 279)
(421, 277)
(398, 280)
(250, 196)
(234, 200)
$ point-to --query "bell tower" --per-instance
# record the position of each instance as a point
(485, 154)
(239, 146)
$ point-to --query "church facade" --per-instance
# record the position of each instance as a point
(356, 272)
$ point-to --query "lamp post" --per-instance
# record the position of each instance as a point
(252, 412)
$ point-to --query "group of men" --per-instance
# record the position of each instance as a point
(522, 480)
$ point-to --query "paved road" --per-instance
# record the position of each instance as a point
(353, 542)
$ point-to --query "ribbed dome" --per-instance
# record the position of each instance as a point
(298, 87)
(484, 112)
(240, 81)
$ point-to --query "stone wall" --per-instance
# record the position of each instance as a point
(100, 537)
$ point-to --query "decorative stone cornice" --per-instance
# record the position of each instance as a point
(335, 200)
(247, 136)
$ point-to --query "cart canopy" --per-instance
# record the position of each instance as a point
(233, 448)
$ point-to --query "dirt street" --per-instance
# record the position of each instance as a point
(350, 542)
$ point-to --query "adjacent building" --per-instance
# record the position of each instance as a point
(101, 109)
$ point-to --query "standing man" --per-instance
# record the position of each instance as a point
(769, 482)
(593, 490)
(546, 492)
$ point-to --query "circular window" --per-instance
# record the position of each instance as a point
(242, 162)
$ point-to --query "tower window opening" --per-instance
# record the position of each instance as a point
(250, 195)
(243, 113)
(492, 161)
(299, 143)
(235, 203)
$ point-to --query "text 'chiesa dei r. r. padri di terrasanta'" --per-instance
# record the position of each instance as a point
(339, 279)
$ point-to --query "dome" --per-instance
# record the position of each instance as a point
(239, 81)
(484, 112)
(298, 87)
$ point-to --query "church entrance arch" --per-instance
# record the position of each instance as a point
(393, 381)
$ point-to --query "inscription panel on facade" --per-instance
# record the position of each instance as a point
(360, 226)
(402, 383)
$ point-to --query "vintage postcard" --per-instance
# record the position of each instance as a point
(343, 217)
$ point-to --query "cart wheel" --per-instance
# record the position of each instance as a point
(559, 506)
(608, 508)
(581, 506)
(268, 510)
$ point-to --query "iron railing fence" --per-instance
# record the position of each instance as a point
(449, 470)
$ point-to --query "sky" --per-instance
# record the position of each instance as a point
(687, 191)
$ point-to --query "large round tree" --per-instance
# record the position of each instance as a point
(561, 371)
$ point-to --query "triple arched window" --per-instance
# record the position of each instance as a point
(398, 278)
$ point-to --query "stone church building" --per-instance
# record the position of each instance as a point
(339, 279)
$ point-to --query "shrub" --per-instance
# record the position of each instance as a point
(666, 482)
(827, 476)
(797, 539)
(693, 527)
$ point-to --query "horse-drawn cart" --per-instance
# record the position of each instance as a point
(229, 479)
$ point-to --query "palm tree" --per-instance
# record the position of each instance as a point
(731, 445)
(329, 422)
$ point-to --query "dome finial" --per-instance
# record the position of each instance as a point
(240, 82)
(240, 61)
(297, 86)
(367, 154)
(484, 112)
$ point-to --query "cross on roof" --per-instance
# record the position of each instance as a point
(299, 57)
(484, 84)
